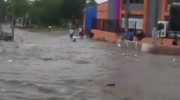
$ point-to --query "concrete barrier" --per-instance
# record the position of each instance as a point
(150, 48)
(131, 45)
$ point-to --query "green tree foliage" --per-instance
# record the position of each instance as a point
(18, 7)
(2, 10)
(48, 12)
(92, 3)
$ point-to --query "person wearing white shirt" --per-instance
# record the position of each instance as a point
(81, 32)
(155, 34)
(71, 33)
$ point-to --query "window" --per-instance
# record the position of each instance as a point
(138, 1)
(131, 1)
(169, 1)
(174, 18)
(173, 1)
(176, 1)
(134, 1)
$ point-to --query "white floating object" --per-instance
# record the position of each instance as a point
(10, 61)
(174, 59)
(119, 45)
(135, 55)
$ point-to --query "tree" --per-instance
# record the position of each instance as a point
(2, 14)
(2, 10)
(92, 3)
(72, 8)
(15, 9)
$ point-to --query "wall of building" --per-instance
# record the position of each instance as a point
(90, 14)
(102, 10)
(145, 11)
(154, 15)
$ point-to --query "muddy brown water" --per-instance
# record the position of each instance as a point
(51, 67)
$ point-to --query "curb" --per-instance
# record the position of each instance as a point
(150, 48)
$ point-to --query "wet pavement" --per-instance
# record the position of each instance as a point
(51, 67)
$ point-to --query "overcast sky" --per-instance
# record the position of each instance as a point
(100, 1)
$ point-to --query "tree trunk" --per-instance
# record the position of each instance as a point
(1, 33)
(13, 22)
(12, 29)
(127, 19)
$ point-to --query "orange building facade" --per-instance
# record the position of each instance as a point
(150, 11)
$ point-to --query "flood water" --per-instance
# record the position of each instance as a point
(51, 67)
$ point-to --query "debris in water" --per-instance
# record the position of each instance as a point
(89, 80)
(119, 45)
(47, 59)
(111, 84)
(173, 60)
(4, 50)
(135, 55)
(10, 61)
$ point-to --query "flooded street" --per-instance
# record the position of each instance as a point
(51, 67)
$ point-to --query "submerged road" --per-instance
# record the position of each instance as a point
(51, 67)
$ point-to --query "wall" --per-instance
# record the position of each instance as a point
(102, 10)
(105, 36)
(149, 14)
(137, 10)
(150, 48)
(134, 6)
(90, 13)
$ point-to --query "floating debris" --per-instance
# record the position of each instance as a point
(10, 61)
(135, 55)
(3, 50)
(119, 45)
(111, 84)
(47, 59)
(173, 60)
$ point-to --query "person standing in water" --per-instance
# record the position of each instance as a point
(81, 34)
(49, 28)
(71, 33)
(155, 35)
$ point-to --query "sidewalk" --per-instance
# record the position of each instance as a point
(166, 42)
(146, 46)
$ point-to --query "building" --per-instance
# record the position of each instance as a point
(147, 11)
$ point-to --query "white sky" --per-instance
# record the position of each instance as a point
(100, 1)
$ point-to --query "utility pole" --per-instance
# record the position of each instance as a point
(126, 19)
(1, 15)
(13, 20)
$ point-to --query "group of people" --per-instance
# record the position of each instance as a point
(155, 36)
(81, 32)
(139, 34)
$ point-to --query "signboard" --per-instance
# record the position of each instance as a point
(133, 23)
